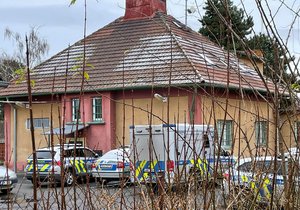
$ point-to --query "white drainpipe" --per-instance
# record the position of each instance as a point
(15, 139)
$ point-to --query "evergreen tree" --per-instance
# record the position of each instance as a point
(214, 27)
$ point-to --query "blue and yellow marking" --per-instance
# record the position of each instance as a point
(143, 168)
(42, 165)
(262, 189)
(79, 165)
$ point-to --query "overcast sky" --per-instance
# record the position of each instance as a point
(62, 25)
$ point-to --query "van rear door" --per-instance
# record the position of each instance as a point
(148, 153)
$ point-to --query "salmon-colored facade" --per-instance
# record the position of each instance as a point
(123, 109)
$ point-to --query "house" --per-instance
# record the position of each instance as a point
(95, 89)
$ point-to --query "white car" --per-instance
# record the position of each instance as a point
(113, 165)
(8, 179)
(255, 176)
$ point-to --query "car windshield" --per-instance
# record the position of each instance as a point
(263, 166)
(115, 154)
(42, 155)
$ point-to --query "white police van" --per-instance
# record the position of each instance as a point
(174, 152)
(77, 162)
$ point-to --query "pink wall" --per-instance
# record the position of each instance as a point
(196, 99)
(100, 136)
(7, 134)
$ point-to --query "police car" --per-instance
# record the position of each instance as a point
(77, 161)
(254, 176)
(113, 165)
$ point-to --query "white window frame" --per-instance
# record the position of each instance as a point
(225, 126)
(75, 107)
(261, 133)
(97, 114)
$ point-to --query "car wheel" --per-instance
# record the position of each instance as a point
(6, 191)
(69, 178)
(38, 183)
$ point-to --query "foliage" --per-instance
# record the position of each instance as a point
(38, 47)
(218, 16)
(72, 2)
(8, 67)
(77, 68)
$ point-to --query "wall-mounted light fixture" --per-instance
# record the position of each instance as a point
(160, 97)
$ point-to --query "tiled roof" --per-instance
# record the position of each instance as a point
(139, 54)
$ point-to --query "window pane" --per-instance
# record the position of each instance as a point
(88, 153)
(38, 123)
(97, 109)
(75, 109)
(261, 132)
(42, 155)
(224, 129)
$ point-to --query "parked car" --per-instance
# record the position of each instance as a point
(113, 165)
(77, 163)
(292, 152)
(8, 179)
(253, 178)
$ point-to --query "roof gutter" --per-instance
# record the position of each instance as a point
(231, 87)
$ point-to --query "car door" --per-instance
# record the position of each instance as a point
(43, 163)
(75, 161)
(89, 157)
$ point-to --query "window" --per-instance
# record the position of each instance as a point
(266, 166)
(88, 153)
(43, 155)
(225, 132)
(75, 109)
(38, 123)
(206, 140)
(261, 132)
(79, 153)
(297, 131)
(97, 109)
(245, 167)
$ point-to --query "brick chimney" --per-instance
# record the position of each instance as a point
(136, 9)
